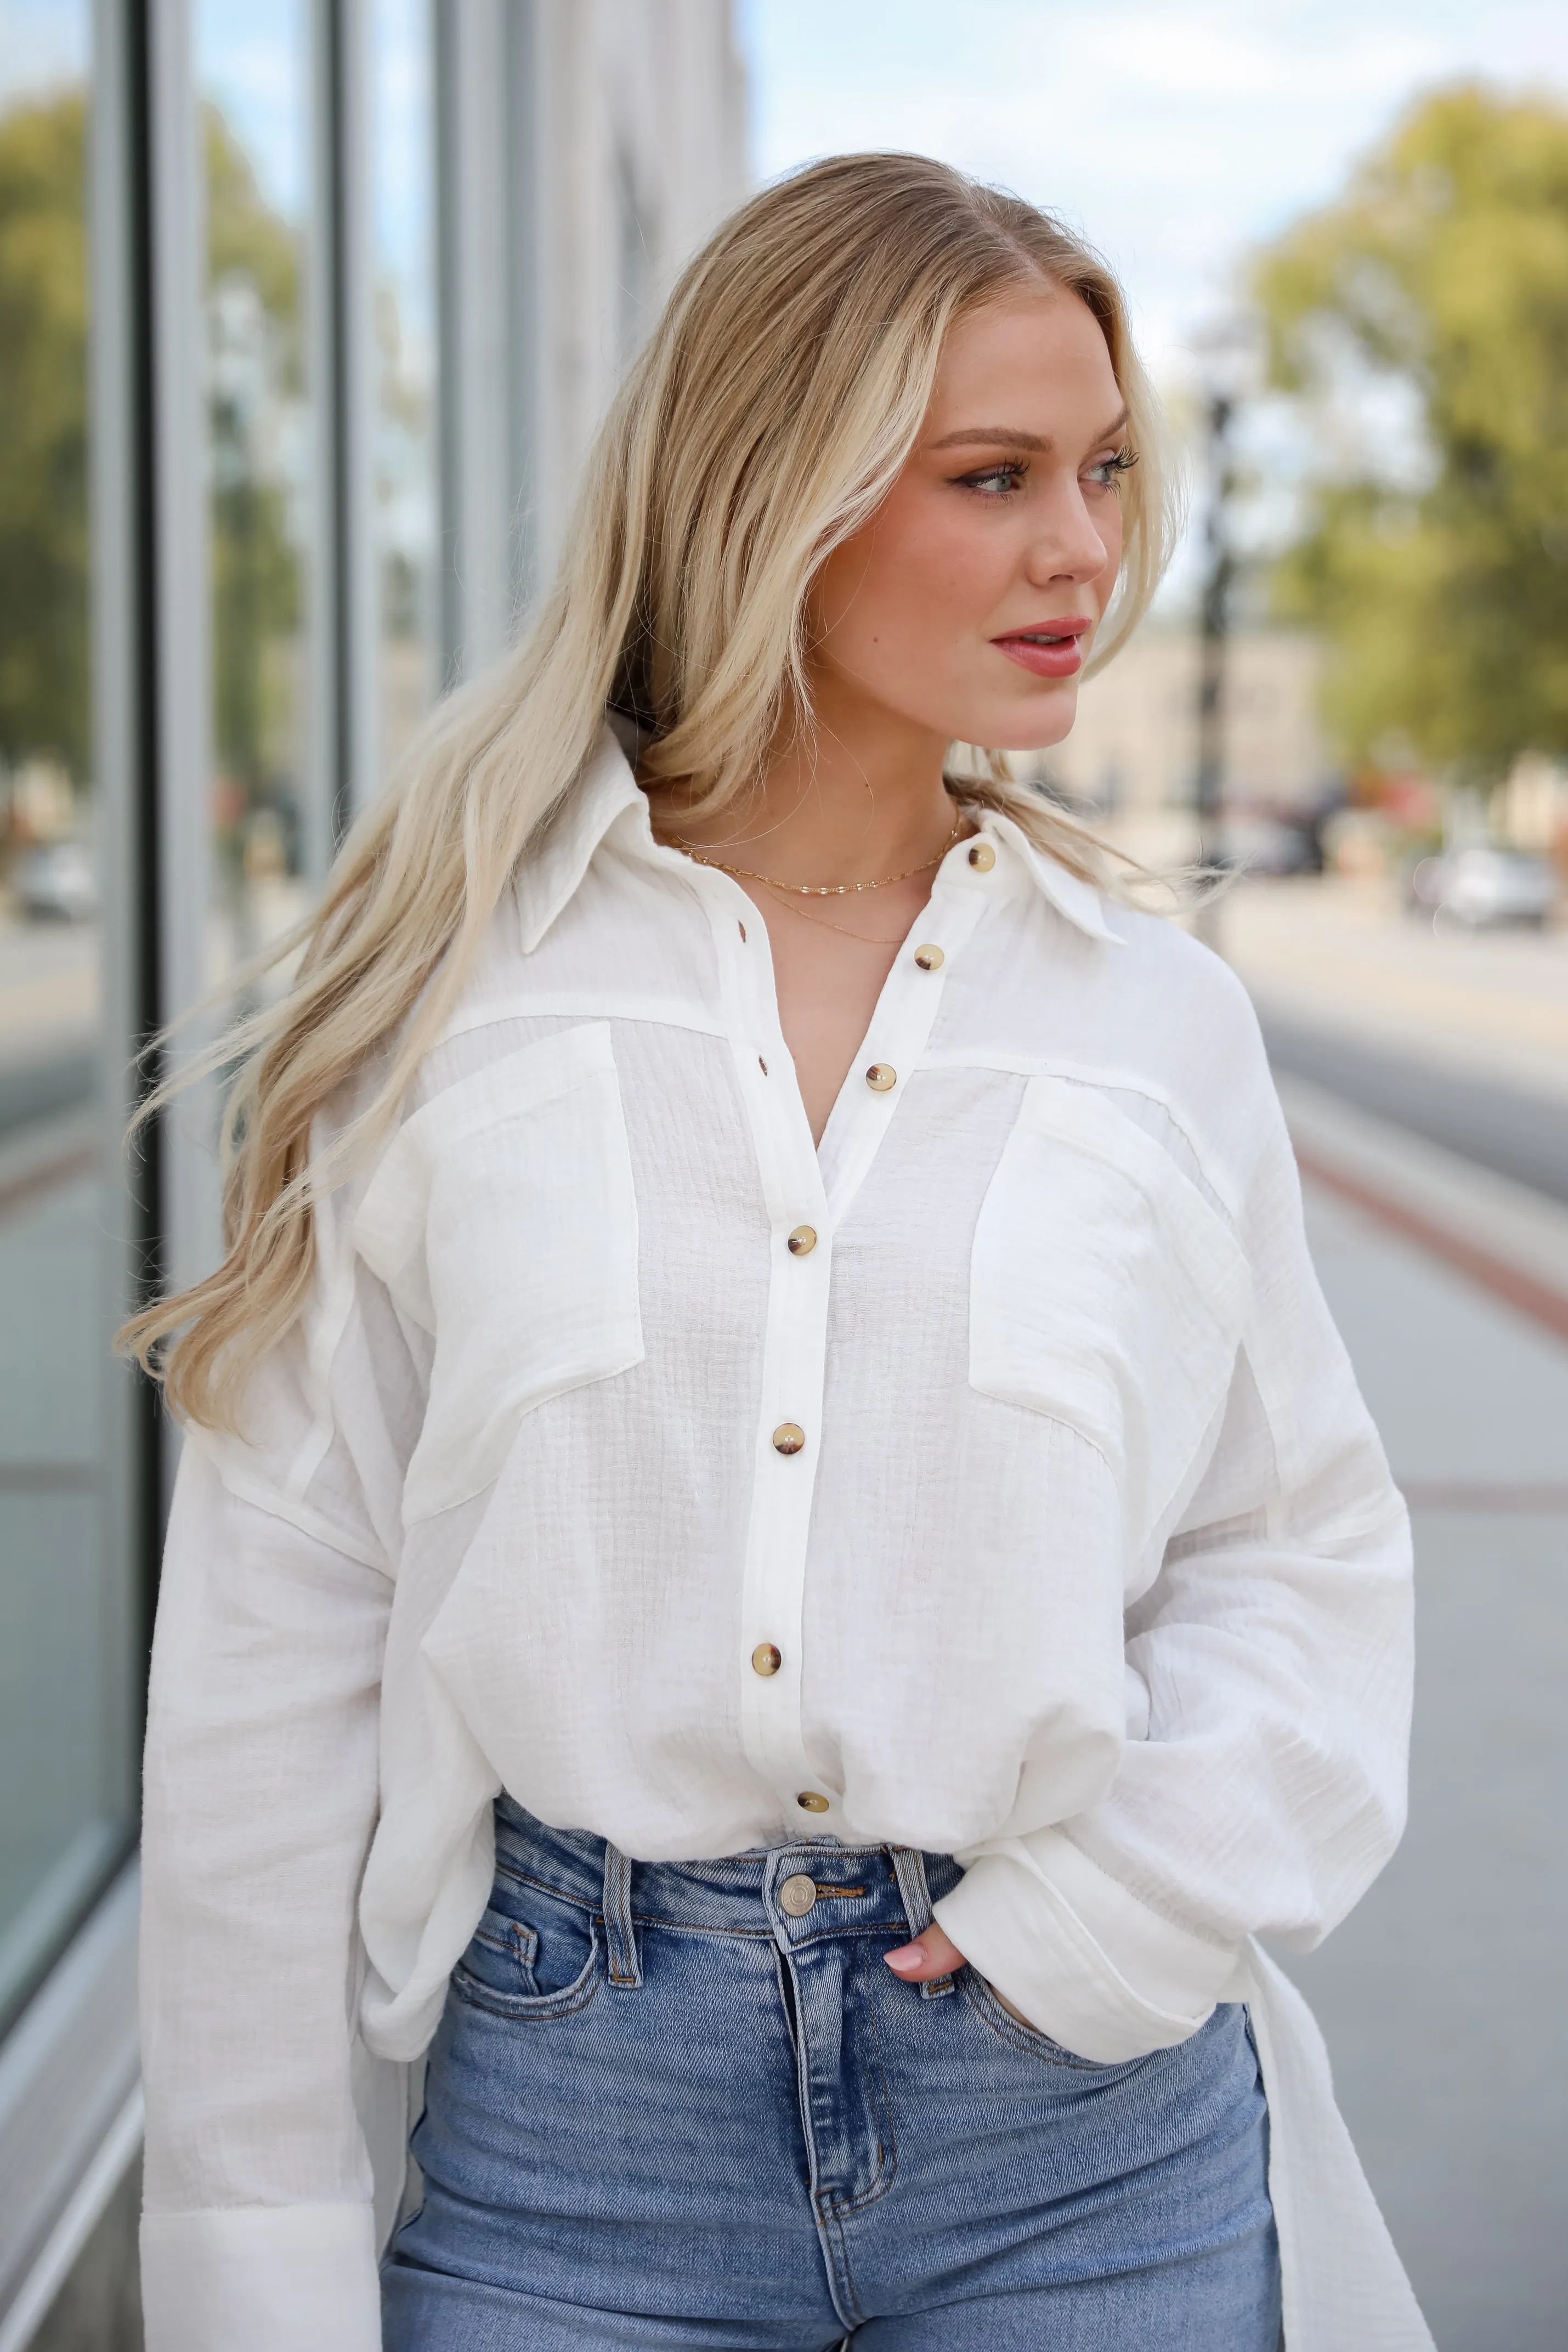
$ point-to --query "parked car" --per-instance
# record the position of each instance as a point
(1268, 845)
(55, 883)
(1481, 886)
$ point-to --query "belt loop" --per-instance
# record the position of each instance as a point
(620, 1933)
(909, 1869)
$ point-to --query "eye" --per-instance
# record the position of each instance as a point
(995, 482)
(1105, 472)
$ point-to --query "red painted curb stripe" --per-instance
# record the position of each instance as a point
(1532, 1296)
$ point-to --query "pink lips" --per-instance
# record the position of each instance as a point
(1052, 650)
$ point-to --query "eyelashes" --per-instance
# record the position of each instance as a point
(1121, 462)
(1000, 482)
(1011, 478)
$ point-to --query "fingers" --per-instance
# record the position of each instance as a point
(931, 1954)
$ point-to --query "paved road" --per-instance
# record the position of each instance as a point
(45, 1085)
(1345, 958)
(1440, 1996)
(1499, 1123)
(49, 1011)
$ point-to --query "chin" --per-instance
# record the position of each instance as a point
(1046, 722)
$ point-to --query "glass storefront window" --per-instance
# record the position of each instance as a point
(253, 68)
(402, 261)
(66, 1637)
(286, 330)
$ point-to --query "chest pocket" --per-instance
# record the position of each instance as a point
(504, 1222)
(1105, 1292)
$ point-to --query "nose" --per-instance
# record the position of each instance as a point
(1068, 543)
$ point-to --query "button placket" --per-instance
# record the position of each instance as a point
(788, 1448)
(905, 1013)
(793, 1361)
(798, 1184)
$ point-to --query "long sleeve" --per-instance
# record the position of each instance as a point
(261, 1799)
(1262, 1784)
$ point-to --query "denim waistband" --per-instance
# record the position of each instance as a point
(865, 1889)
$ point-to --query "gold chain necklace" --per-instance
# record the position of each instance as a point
(829, 890)
(824, 923)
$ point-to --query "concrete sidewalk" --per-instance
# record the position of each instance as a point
(1345, 957)
(1440, 1995)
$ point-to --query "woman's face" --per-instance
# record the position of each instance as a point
(965, 605)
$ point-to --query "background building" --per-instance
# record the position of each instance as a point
(308, 309)
(1129, 758)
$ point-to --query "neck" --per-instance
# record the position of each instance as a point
(861, 794)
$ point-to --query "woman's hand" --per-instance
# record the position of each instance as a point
(931, 1954)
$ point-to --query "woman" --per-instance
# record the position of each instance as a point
(776, 1546)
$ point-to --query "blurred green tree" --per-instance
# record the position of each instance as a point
(252, 272)
(1436, 556)
(44, 675)
(254, 342)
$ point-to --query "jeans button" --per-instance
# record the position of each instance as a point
(797, 1895)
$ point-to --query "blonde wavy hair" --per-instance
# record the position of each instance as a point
(763, 423)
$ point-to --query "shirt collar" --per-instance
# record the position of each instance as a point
(1079, 901)
(549, 877)
(552, 874)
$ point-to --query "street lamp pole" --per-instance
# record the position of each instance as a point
(1214, 631)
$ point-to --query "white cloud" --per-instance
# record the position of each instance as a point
(1176, 137)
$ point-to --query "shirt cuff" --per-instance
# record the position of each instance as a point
(1085, 1961)
(262, 2278)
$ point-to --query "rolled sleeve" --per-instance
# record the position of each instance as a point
(1085, 1961)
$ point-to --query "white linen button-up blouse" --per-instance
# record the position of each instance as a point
(1088, 1569)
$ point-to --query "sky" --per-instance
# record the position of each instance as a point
(42, 44)
(1177, 137)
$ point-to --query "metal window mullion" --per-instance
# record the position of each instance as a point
(343, 598)
(470, 180)
(325, 749)
(181, 618)
(523, 279)
(122, 542)
(358, 414)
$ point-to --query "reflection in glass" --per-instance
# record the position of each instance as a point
(254, 83)
(65, 1770)
(402, 214)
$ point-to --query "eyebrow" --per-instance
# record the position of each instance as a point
(1008, 436)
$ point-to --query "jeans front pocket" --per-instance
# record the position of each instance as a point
(534, 1954)
(1010, 2026)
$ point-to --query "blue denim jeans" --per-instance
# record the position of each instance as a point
(686, 2105)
